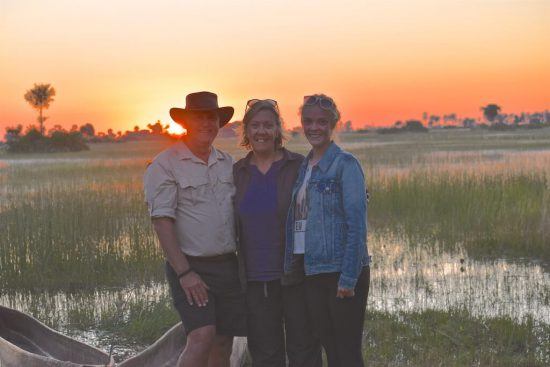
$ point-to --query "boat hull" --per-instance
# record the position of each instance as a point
(25, 341)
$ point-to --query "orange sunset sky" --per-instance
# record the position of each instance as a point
(122, 63)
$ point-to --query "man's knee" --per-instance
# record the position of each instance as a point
(220, 353)
(224, 343)
(201, 339)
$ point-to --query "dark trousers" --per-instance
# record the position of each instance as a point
(276, 313)
(338, 322)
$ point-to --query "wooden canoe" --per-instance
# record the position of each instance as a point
(25, 341)
(166, 351)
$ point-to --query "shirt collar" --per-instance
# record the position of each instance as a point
(185, 153)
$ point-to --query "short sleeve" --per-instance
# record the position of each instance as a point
(161, 191)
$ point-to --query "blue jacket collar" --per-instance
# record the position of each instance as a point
(328, 157)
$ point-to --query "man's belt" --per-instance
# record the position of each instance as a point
(215, 258)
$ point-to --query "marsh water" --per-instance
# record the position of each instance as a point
(402, 279)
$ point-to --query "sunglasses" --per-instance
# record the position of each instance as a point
(325, 103)
(252, 102)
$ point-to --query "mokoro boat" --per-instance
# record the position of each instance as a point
(166, 351)
(26, 342)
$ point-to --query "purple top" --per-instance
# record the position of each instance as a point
(260, 237)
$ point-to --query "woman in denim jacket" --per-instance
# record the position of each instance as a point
(326, 228)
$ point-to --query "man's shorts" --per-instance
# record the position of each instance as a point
(226, 300)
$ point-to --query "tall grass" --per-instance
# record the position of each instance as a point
(76, 227)
(502, 215)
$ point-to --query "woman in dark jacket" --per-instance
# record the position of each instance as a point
(275, 301)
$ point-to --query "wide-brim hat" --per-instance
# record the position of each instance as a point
(201, 101)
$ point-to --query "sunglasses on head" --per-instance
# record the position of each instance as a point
(325, 103)
(252, 102)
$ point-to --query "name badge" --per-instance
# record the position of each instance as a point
(300, 225)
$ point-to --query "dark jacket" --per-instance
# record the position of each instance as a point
(285, 181)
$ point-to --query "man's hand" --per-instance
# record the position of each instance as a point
(345, 292)
(192, 284)
(195, 289)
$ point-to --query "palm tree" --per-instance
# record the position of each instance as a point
(425, 118)
(40, 97)
(491, 111)
(434, 119)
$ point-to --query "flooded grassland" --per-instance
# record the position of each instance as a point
(459, 231)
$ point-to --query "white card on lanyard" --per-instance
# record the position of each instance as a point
(300, 236)
(300, 225)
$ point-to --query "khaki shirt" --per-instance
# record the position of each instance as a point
(198, 196)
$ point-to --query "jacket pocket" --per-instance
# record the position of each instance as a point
(328, 187)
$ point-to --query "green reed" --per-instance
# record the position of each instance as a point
(453, 338)
(76, 227)
(502, 215)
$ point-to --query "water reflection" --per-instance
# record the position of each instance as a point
(58, 309)
(417, 278)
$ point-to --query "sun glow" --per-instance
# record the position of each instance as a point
(175, 129)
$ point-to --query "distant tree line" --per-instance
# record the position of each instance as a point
(77, 138)
(412, 126)
(33, 141)
(153, 132)
(58, 139)
(492, 119)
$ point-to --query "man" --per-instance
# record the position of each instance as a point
(189, 191)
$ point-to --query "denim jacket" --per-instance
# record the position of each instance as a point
(336, 230)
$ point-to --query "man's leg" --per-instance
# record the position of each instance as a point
(226, 298)
(198, 347)
(221, 351)
(199, 322)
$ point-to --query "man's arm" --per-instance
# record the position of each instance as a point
(193, 286)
